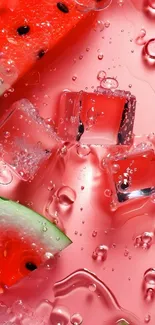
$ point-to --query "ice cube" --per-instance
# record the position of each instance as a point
(132, 174)
(26, 140)
(67, 119)
(105, 117)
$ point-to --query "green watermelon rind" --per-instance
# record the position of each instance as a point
(19, 216)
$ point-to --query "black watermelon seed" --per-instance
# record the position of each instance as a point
(40, 54)
(30, 266)
(23, 30)
(120, 138)
(80, 130)
(62, 7)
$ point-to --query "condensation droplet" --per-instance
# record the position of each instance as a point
(100, 253)
(109, 83)
(66, 195)
(76, 319)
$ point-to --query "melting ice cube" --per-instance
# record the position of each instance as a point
(134, 176)
(105, 117)
(26, 140)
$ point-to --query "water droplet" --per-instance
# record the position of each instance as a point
(66, 195)
(6, 134)
(149, 49)
(109, 83)
(99, 25)
(151, 3)
(94, 233)
(120, 2)
(45, 229)
(76, 319)
(140, 38)
(149, 295)
(147, 319)
(126, 252)
(149, 277)
(100, 253)
(107, 24)
(122, 321)
(74, 78)
(115, 168)
(108, 193)
(145, 240)
(6, 176)
(92, 287)
(83, 150)
(88, 5)
(101, 75)
(100, 56)
(59, 316)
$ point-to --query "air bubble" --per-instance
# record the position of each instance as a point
(74, 78)
(140, 38)
(94, 233)
(100, 56)
(147, 319)
(108, 193)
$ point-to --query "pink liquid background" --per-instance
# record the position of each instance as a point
(43, 85)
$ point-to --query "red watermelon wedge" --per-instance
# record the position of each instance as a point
(28, 29)
(27, 240)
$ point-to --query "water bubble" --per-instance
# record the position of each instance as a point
(6, 176)
(149, 277)
(74, 78)
(109, 83)
(59, 316)
(122, 321)
(100, 253)
(108, 193)
(83, 150)
(66, 195)
(100, 56)
(88, 5)
(151, 3)
(147, 319)
(115, 168)
(140, 38)
(99, 25)
(107, 24)
(149, 49)
(101, 75)
(145, 240)
(6, 134)
(92, 287)
(94, 233)
(76, 319)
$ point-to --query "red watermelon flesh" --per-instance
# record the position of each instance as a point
(28, 30)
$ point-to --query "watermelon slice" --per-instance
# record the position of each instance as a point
(28, 30)
(27, 240)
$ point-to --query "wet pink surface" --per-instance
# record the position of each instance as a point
(124, 266)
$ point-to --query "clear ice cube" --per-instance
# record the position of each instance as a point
(26, 140)
(105, 117)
